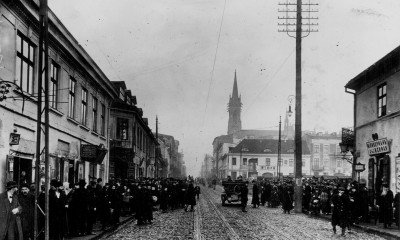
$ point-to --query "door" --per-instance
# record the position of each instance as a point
(71, 172)
(22, 171)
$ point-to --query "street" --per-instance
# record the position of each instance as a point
(210, 220)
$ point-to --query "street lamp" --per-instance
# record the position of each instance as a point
(290, 99)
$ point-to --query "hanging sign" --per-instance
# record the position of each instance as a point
(14, 138)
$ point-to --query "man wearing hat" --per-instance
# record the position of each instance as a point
(27, 202)
(10, 209)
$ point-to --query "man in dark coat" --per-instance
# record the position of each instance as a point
(287, 202)
(81, 206)
(27, 202)
(386, 206)
(190, 198)
(10, 209)
(307, 197)
(244, 191)
(57, 211)
(92, 204)
(255, 200)
(340, 209)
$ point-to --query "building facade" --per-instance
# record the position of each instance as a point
(376, 93)
(259, 157)
(326, 158)
(79, 98)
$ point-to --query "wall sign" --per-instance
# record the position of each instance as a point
(14, 138)
(378, 147)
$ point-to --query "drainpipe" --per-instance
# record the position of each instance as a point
(353, 172)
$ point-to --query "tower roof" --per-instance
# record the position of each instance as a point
(235, 92)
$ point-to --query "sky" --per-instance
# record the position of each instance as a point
(179, 57)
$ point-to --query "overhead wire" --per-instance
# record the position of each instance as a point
(215, 58)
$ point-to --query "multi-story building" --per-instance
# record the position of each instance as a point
(259, 157)
(79, 98)
(176, 158)
(326, 158)
(132, 144)
(376, 93)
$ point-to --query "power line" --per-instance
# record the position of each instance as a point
(215, 58)
(273, 76)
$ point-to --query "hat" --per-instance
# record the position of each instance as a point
(385, 185)
(24, 185)
(11, 184)
(341, 188)
(82, 182)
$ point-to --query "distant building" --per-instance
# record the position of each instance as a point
(259, 157)
(326, 158)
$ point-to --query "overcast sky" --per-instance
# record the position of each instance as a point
(165, 51)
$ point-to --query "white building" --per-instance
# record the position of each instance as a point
(259, 157)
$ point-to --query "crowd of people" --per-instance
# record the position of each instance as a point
(347, 201)
(75, 208)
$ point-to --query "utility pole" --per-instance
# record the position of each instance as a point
(279, 151)
(156, 148)
(293, 24)
(42, 78)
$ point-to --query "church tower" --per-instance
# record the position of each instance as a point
(234, 109)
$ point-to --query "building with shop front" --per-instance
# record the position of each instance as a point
(259, 157)
(132, 144)
(80, 97)
(376, 93)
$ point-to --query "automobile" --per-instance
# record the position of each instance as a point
(231, 192)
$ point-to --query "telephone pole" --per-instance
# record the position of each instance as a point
(156, 149)
(279, 151)
(294, 24)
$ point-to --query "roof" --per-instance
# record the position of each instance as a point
(223, 139)
(268, 146)
(383, 68)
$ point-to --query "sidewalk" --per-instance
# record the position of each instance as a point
(99, 233)
(392, 233)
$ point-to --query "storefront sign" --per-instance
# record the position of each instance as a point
(88, 151)
(359, 167)
(378, 147)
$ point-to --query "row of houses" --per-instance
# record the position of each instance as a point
(96, 128)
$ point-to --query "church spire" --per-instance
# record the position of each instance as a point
(235, 92)
(234, 109)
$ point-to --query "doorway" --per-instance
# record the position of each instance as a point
(22, 171)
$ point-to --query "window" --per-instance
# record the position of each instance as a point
(303, 163)
(316, 163)
(103, 119)
(84, 106)
(339, 163)
(244, 161)
(316, 148)
(25, 63)
(92, 171)
(94, 114)
(326, 162)
(326, 149)
(285, 162)
(267, 162)
(122, 128)
(233, 161)
(53, 88)
(71, 98)
(382, 100)
(291, 162)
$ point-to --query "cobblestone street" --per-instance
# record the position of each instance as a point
(213, 221)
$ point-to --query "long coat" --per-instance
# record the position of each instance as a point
(190, 198)
(27, 215)
(255, 200)
(7, 218)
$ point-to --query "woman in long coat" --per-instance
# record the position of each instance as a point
(386, 206)
(255, 200)
(190, 198)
